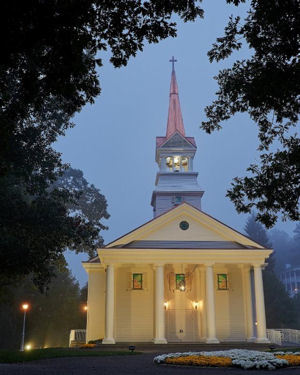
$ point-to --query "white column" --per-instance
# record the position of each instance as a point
(159, 306)
(210, 307)
(247, 290)
(109, 306)
(260, 306)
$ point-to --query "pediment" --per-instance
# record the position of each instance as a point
(203, 232)
(177, 141)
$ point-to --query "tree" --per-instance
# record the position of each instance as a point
(90, 203)
(257, 232)
(35, 230)
(267, 87)
(283, 246)
(50, 51)
(280, 308)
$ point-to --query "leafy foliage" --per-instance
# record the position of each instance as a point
(50, 51)
(89, 204)
(35, 230)
(267, 87)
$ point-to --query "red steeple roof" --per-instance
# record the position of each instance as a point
(175, 121)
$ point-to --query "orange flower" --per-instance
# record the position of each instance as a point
(293, 359)
(200, 360)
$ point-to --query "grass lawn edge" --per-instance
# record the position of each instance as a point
(14, 356)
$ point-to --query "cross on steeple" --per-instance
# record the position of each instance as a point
(173, 60)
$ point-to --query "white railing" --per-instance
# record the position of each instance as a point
(77, 335)
(274, 336)
(281, 336)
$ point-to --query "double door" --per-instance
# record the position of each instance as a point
(182, 325)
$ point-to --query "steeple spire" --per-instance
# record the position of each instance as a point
(175, 121)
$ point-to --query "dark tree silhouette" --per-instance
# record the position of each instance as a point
(267, 87)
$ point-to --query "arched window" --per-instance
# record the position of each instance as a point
(169, 162)
(185, 163)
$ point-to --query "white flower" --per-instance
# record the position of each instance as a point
(243, 358)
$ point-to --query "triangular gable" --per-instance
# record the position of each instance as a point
(177, 140)
(202, 227)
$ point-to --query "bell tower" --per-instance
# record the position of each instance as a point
(176, 182)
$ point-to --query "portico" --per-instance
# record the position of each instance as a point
(204, 310)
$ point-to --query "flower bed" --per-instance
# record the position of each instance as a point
(247, 359)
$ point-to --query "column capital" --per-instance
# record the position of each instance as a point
(155, 265)
(209, 264)
(258, 265)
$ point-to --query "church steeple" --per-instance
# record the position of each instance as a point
(176, 181)
(175, 121)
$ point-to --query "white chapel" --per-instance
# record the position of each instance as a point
(183, 276)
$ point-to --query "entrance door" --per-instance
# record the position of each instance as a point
(181, 325)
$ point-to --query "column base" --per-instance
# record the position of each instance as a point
(160, 341)
(262, 340)
(108, 341)
(251, 339)
(212, 341)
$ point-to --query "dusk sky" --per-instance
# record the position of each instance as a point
(113, 142)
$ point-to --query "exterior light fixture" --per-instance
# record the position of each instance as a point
(85, 308)
(256, 323)
(196, 304)
(166, 304)
(28, 347)
(131, 348)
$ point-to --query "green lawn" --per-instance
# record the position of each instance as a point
(13, 356)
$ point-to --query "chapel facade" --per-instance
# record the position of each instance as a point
(183, 276)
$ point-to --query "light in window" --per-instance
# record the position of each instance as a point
(222, 281)
(185, 163)
(169, 162)
(137, 281)
(177, 163)
(180, 281)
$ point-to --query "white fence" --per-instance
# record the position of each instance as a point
(284, 336)
(77, 336)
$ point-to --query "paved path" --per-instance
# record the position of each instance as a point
(116, 365)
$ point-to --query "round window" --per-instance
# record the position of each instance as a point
(184, 225)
